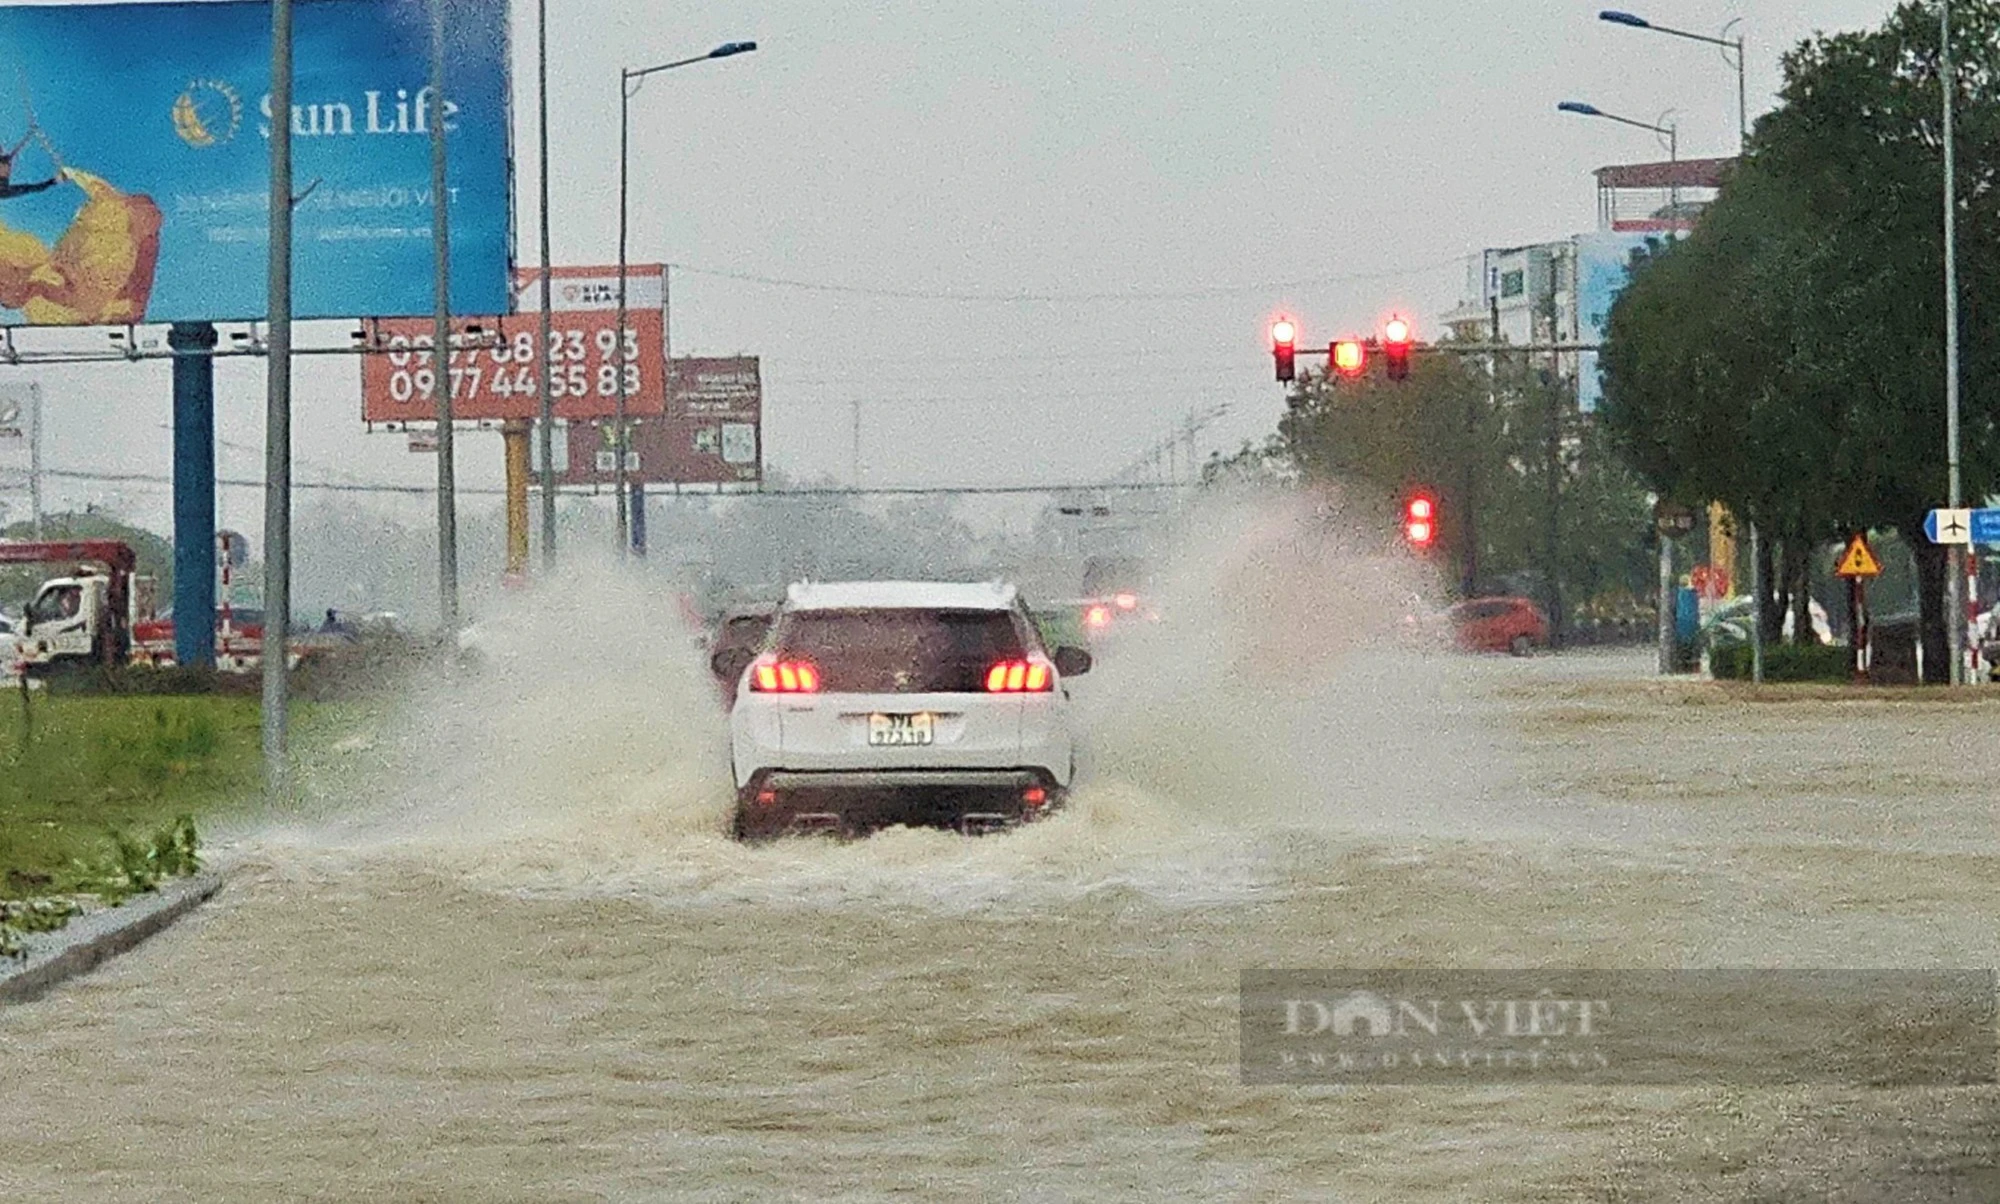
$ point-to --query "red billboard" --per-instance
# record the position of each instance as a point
(495, 370)
(710, 434)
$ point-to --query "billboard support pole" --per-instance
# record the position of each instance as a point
(638, 491)
(514, 438)
(447, 501)
(542, 349)
(278, 415)
(194, 491)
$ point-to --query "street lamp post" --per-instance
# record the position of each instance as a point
(1666, 601)
(1587, 110)
(628, 86)
(1728, 44)
(1736, 44)
(544, 369)
(1954, 563)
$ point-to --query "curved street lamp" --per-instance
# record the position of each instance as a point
(1634, 21)
(629, 82)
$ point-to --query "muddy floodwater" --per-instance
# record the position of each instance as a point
(534, 968)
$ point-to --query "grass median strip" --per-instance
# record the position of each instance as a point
(101, 797)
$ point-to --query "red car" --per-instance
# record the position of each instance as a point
(1513, 625)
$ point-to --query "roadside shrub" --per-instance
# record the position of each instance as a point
(1784, 662)
(152, 682)
(136, 867)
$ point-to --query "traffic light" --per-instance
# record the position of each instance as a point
(1284, 346)
(1349, 357)
(1396, 339)
(1420, 521)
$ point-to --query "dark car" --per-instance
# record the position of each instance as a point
(734, 642)
(1514, 625)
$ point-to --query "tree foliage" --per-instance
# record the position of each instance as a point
(1787, 358)
(1490, 445)
(155, 554)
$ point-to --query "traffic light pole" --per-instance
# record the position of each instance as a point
(1456, 348)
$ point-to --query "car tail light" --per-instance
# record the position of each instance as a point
(1031, 676)
(1097, 616)
(1034, 796)
(784, 677)
(1127, 601)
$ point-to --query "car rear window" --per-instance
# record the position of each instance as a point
(901, 651)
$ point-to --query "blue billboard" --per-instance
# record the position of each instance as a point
(1604, 265)
(135, 160)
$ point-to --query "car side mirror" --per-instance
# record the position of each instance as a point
(1072, 662)
(729, 663)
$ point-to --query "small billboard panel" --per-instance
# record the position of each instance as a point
(591, 288)
(496, 368)
(1604, 266)
(711, 433)
(139, 191)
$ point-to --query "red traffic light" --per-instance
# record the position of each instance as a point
(1420, 521)
(1349, 357)
(1396, 340)
(1284, 348)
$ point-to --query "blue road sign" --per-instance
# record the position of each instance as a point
(1986, 526)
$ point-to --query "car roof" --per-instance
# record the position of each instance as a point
(900, 595)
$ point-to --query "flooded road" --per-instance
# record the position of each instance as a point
(534, 969)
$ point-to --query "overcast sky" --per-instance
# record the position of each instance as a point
(1128, 191)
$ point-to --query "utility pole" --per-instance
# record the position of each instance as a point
(1557, 617)
(1193, 464)
(35, 456)
(1954, 598)
(1666, 605)
(278, 415)
(624, 224)
(447, 501)
(548, 269)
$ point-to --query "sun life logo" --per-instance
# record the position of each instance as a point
(207, 113)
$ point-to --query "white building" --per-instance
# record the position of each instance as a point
(1561, 291)
(1518, 295)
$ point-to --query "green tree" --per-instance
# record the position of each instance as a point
(1531, 495)
(155, 554)
(1788, 357)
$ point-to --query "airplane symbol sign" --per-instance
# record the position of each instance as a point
(1981, 526)
(1948, 526)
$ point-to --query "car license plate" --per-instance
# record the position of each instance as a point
(899, 730)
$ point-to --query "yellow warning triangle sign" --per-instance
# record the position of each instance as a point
(1858, 560)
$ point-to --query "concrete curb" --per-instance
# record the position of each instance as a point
(90, 941)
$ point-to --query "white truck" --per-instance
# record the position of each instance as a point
(85, 617)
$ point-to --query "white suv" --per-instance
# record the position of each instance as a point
(892, 702)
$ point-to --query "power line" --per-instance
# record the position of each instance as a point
(159, 479)
(1065, 298)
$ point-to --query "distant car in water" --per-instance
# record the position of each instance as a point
(1100, 620)
(734, 641)
(1512, 625)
